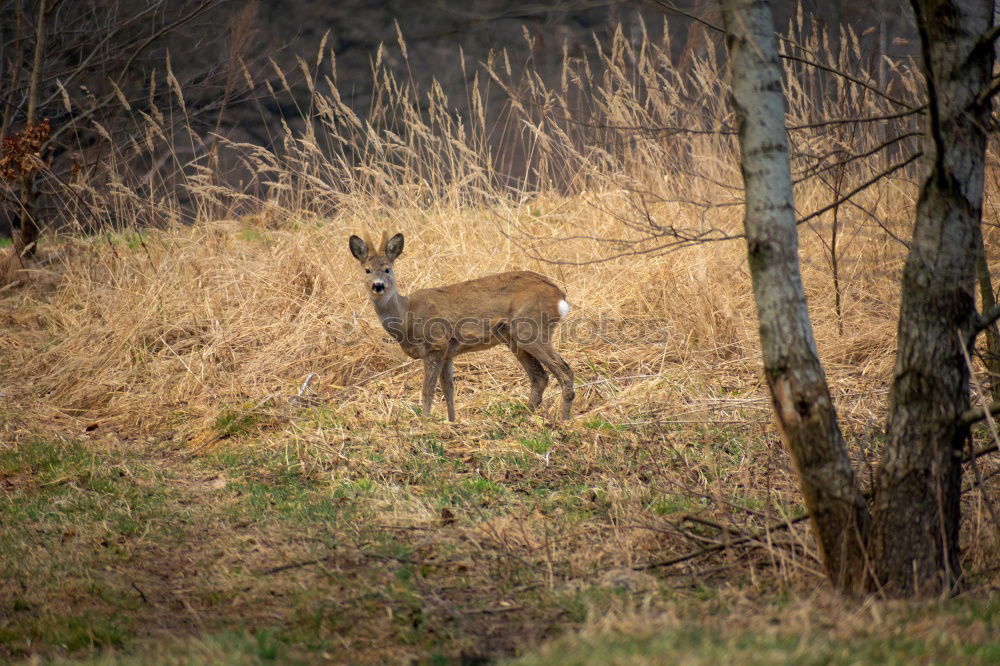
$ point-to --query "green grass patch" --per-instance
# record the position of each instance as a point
(226, 648)
(471, 492)
(539, 443)
(287, 497)
(78, 515)
(252, 235)
(423, 545)
(233, 422)
(132, 240)
(507, 410)
(600, 423)
(322, 417)
(672, 503)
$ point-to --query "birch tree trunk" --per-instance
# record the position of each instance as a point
(800, 397)
(914, 540)
(911, 537)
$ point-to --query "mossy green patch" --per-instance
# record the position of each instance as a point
(235, 421)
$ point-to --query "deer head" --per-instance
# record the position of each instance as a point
(380, 280)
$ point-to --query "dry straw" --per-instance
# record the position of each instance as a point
(209, 298)
(620, 156)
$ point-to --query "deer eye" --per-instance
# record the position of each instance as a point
(387, 270)
(368, 270)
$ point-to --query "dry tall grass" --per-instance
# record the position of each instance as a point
(621, 158)
(207, 297)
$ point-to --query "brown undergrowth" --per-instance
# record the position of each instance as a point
(211, 452)
(329, 512)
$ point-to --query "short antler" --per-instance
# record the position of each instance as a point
(367, 238)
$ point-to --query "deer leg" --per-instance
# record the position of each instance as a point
(448, 386)
(433, 361)
(536, 374)
(554, 363)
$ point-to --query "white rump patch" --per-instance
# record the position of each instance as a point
(563, 307)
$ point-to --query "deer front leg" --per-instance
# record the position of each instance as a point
(433, 362)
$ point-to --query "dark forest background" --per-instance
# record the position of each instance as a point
(107, 66)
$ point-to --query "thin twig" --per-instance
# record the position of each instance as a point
(979, 453)
(294, 565)
(977, 414)
(722, 546)
(989, 422)
(863, 186)
(986, 319)
(142, 595)
(372, 556)
(861, 119)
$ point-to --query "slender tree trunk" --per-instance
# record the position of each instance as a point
(27, 234)
(914, 541)
(988, 301)
(800, 397)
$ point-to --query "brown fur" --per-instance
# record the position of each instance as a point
(519, 309)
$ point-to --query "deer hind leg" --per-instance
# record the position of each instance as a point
(433, 362)
(546, 354)
(448, 386)
(536, 373)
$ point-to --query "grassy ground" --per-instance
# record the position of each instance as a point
(210, 453)
(429, 542)
(333, 522)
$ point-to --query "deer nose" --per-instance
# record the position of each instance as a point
(378, 287)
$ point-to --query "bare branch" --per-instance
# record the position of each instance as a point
(87, 62)
(668, 6)
(854, 157)
(979, 453)
(977, 414)
(728, 131)
(986, 320)
(986, 40)
(933, 112)
(757, 536)
(15, 71)
(993, 431)
(853, 79)
(990, 91)
(673, 9)
(860, 188)
(863, 119)
(874, 218)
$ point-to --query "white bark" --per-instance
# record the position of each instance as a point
(801, 400)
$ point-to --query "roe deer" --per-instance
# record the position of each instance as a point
(519, 309)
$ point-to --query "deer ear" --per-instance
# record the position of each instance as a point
(394, 247)
(359, 249)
